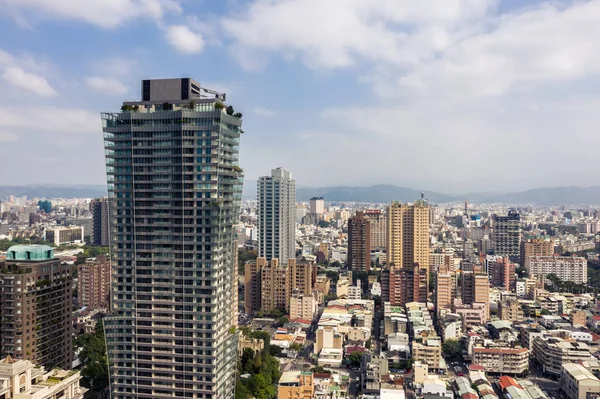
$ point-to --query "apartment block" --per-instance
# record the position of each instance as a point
(359, 243)
(35, 307)
(377, 222)
(577, 382)
(275, 286)
(551, 353)
(443, 292)
(22, 379)
(99, 208)
(503, 274)
(441, 262)
(93, 283)
(502, 360)
(428, 351)
(400, 286)
(536, 247)
(253, 284)
(408, 234)
(566, 268)
(296, 385)
(303, 306)
(506, 235)
(510, 311)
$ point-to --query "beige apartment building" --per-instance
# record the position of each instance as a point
(408, 234)
(577, 382)
(566, 268)
(303, 306)
(296, 385)
(93, 283)
(502, 360)
(443, 292)
(551, 353)
(536, 247)
(510, 310)
(21, 379)
(252, 284)
(441, 262)
(323, 284)
(428, 351)
(275, 286)
(377, 220)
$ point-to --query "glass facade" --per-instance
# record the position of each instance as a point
(176, 188)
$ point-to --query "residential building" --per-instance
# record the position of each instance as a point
(359, 243)
(510, 310)
(275, 286)
(441, 262)
(64, 235)
(443, 292)
(323, 284)
(472, 315)
(566, 268)
(317, 207)
(35, 307)
(400, 286)
(536, 247)
(377, 222)
(93, 283)
(296, 385)
(301, 275)
(578, 318)
(506, 235)
(525, 287)
(99, 208)
(503, 274)
(428, 351)
(577, 382)
(475, 288)
(303, 306)
(21, 379)
(277, 216)
(502, 360)
(408, 234)
(173, 173)
(552, 352)
(253, 284)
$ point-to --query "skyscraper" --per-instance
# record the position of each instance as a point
(100, 234)
(35, 307)
(506, 235)
(401, 285)
(359, 243)
(277, 216)
(408, 234)
(172, 171)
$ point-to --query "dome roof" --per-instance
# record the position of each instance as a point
(30, 252)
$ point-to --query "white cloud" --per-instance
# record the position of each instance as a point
(264, 112)
(184, 39)
(103, 13)
(335, 33)
(30, 81)
(106, 85)
(48, 119)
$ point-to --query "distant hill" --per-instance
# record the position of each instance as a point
(377, 193)
(380, 193)
(82, 191)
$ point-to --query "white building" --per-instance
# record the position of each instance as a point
(566, 268)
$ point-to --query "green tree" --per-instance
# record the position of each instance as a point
(282, 321)
(244, 255)
(451, 348)
(296, 347)
(545, 312)
(368, 343)
(93, 356)
(355, 358)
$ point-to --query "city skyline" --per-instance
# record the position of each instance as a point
(503, 89)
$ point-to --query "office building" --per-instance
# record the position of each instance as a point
(93, 283)
(378, 226)
(317, 207)
(36, 307)
(503, 274)
(45, 206)
(506, 235)
(21, 379)
(296, 385)
(536, 247)
(400, 286)
(277, 216)
(511, 361)
(577, 382)
(566, 268)
(408, 234)
(100, 229)
(64, 235)
(359, 243)
(173, 173)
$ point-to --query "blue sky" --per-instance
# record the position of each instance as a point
(446, 95)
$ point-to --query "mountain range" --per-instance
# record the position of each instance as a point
(381, 193)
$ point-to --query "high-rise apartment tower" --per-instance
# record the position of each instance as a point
(172, 171)
(277, 216)
(408, 234)
(506, 235)
(100, 230)
(359, 243)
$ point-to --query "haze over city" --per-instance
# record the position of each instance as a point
(453, 96)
